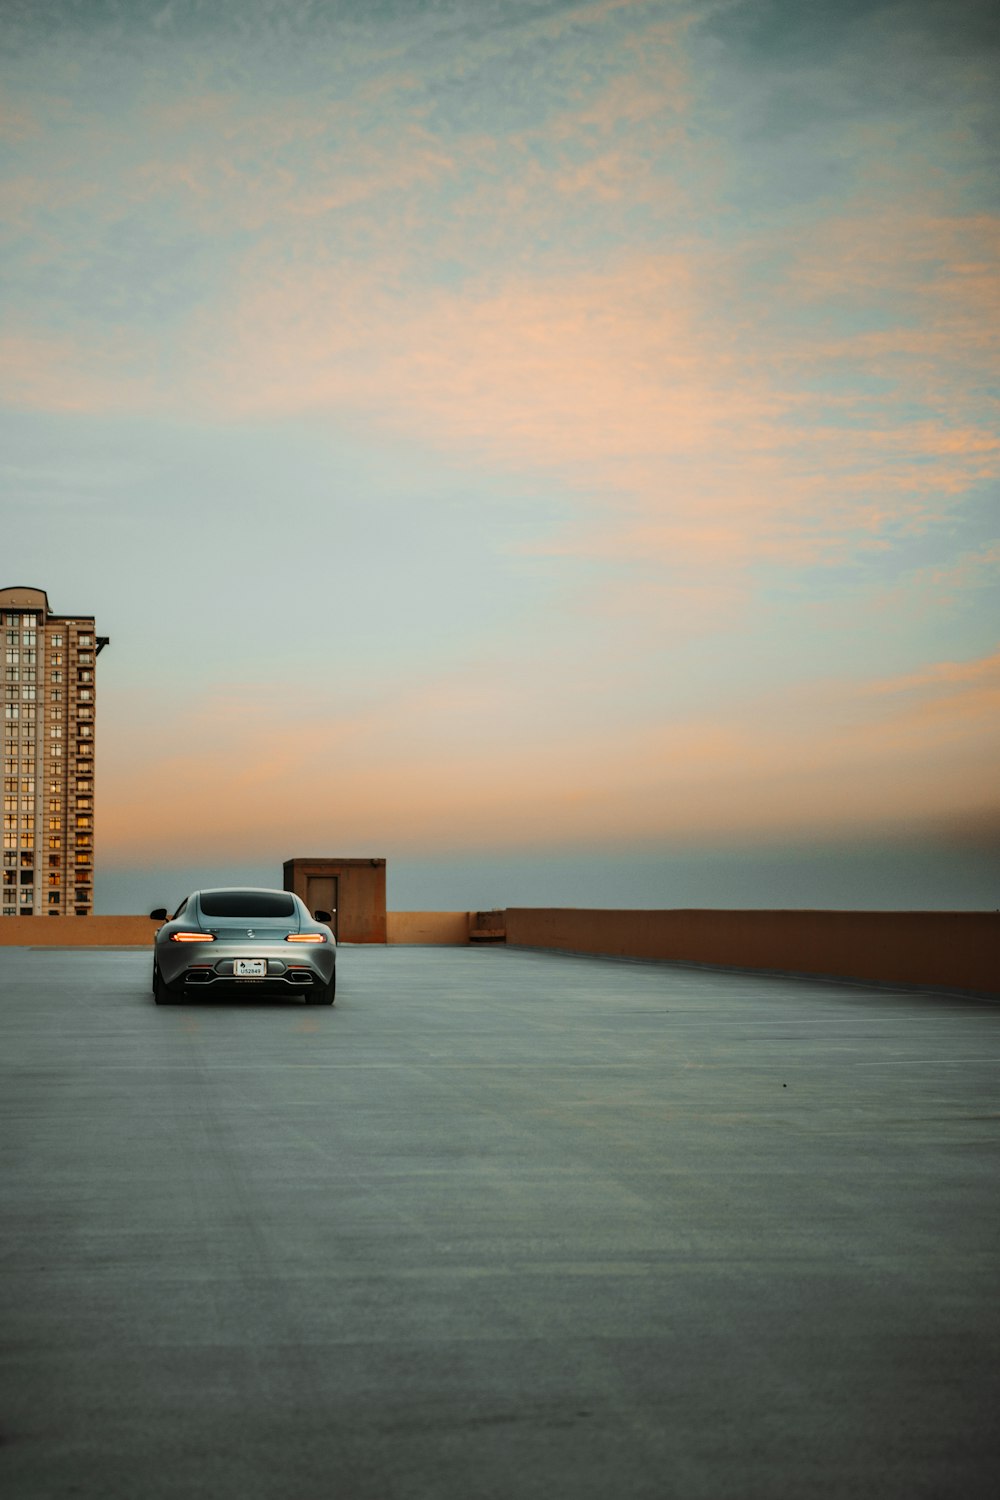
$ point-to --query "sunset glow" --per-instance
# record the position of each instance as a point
(507, 428)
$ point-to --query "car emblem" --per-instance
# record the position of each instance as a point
(249, 932)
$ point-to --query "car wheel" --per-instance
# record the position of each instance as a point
(162, 993)
(322, 994)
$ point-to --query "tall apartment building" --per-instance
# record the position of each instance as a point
(48, 688)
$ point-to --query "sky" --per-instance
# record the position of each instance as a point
(549, 444)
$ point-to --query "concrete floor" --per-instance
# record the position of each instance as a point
(501, 1224)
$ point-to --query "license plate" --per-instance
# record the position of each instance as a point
(249, 968)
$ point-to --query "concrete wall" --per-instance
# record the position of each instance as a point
(77, 932)
(431, 927)
(948, 950)
(440, 928)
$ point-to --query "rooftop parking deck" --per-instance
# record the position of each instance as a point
(502, 1224)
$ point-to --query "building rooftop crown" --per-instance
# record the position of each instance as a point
(21, 596)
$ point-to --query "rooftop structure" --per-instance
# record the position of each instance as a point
(48, 686)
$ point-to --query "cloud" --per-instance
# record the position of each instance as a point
(365, 254)
(737, 328)
(69, 374)
(446, 764)
(949, 697)
(688, 437)
(701, 438)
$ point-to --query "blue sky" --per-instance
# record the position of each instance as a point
(557, 439)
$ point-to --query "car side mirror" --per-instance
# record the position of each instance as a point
(324, 916)
(159, 915)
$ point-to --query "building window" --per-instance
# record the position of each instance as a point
(28, 693)
(11, 711)
(57, 677)
(85, 640)
(28, 638)
(57, 640)
(55, 732)
(54, 898)
(55, 842)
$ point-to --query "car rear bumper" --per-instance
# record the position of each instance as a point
(210, 966)
(298, 981)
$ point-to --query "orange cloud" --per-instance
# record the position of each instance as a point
(695, 419)
(696, 439)
(949, 699)
(469, 761)
(69, 374)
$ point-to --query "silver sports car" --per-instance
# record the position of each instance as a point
(239, 941)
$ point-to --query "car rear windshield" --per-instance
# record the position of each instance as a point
(246, 904)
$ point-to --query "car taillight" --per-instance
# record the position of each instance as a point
(305, 937)
(192, 937)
